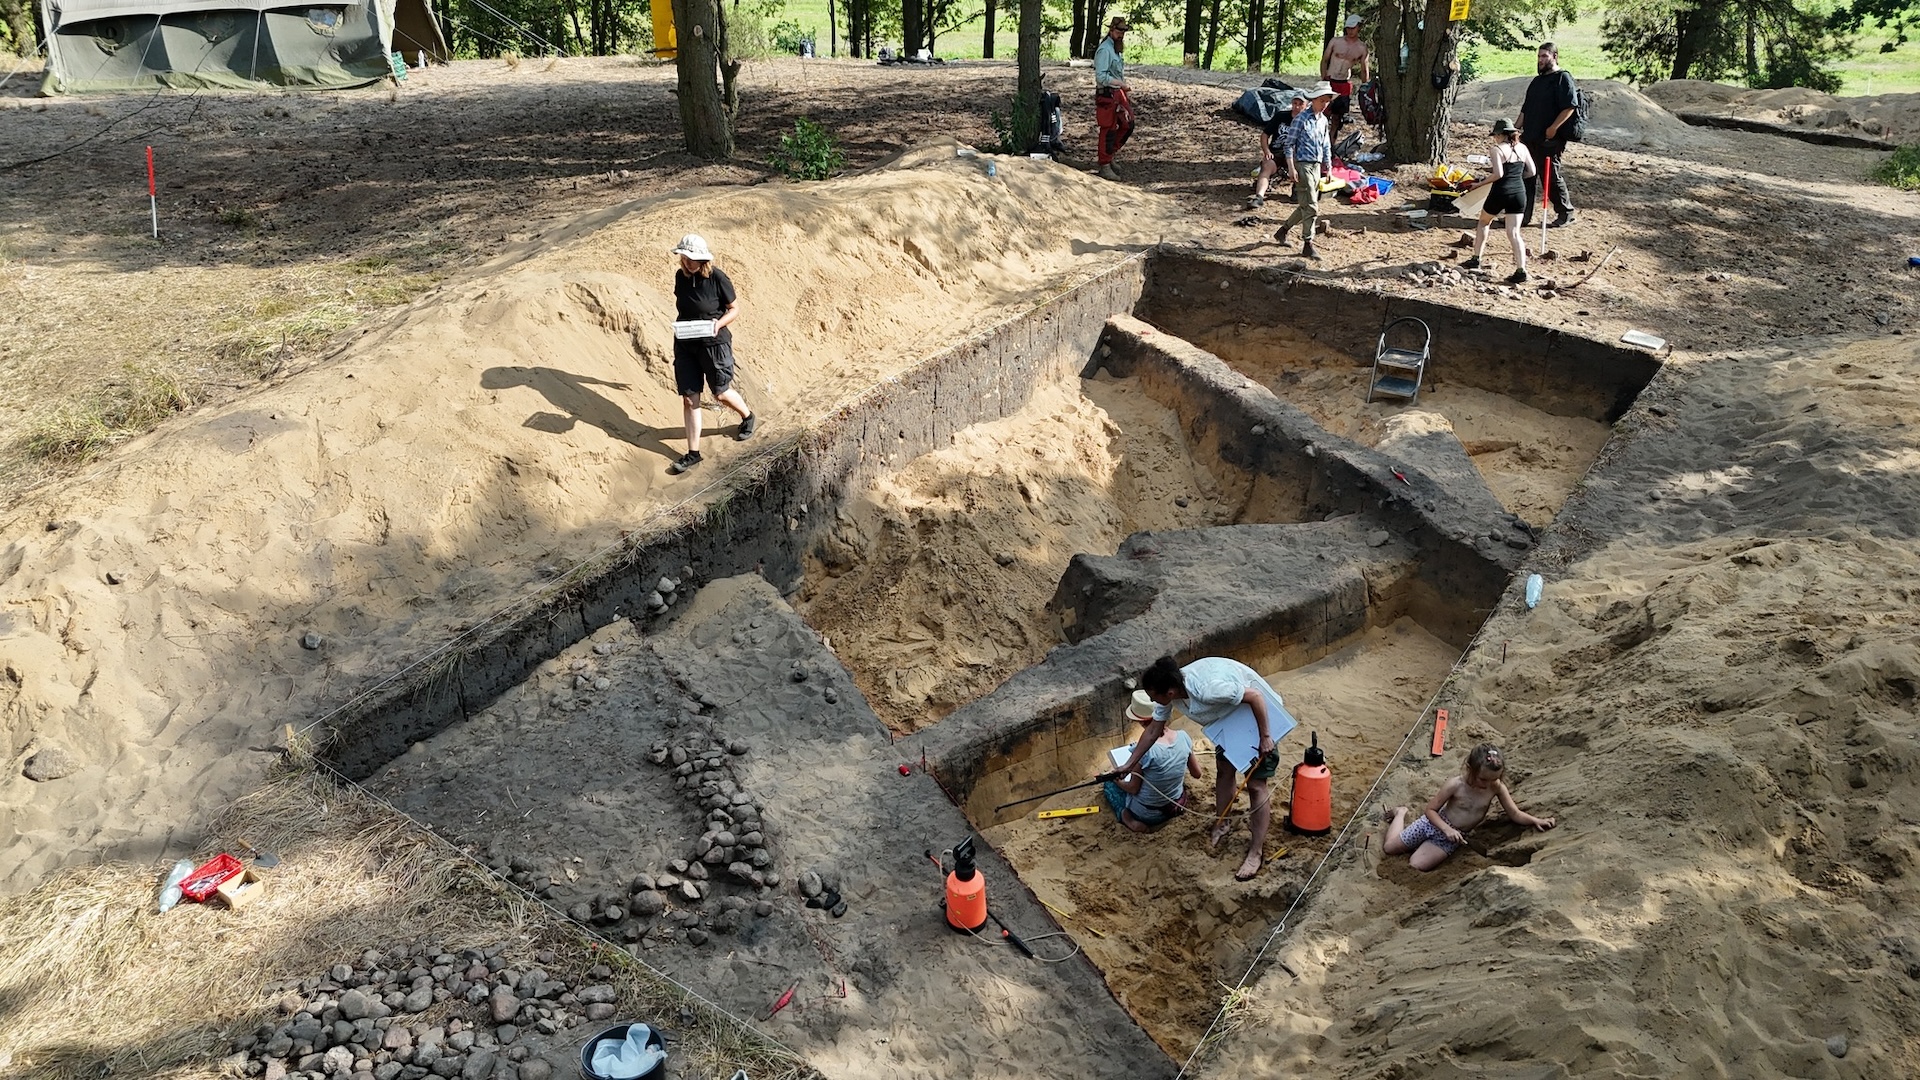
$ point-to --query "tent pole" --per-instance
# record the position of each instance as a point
(259, 17)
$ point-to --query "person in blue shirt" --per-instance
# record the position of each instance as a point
(1221, 695)
(1310, 161)
(1153, 787)
(1112, 107)
(1276, 146)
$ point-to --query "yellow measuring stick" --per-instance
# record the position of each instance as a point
(1064, 917)
(1072, 811)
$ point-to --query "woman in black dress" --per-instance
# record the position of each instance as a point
(1507, 198)
(702, 292)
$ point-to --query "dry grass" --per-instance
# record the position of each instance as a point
(93, 982)
(76, 432)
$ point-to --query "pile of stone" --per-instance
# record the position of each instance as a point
(727, 876)
(363, 1021)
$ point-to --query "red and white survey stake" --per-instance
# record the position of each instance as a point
(153, 195)
(1546, 185)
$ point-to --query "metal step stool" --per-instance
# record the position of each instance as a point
(1398, 371)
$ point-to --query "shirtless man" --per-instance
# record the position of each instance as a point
(1337, 62)
(1461, 803)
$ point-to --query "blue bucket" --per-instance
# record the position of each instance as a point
(618, 1033)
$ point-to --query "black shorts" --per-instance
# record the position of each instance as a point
(1264, 767)
(1505, 202)
(702, 362)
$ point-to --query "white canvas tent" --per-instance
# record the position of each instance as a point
(135, 44)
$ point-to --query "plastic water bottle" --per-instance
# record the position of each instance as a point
(170, 895)
(991, 171)
(1913, 260)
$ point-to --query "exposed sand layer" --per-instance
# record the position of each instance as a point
(516, 420)
(1718, 698)
(1620, 116)
(1884, 116)
(1530, 459)
(933, 584)
(1164, 919)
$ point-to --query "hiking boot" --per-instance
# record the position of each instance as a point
(1280, 234)
(1471, 264)
(686, 461)
(1108, 172)
(1517, 277)
(746, 427)
(1307, 250)
(1561, 221)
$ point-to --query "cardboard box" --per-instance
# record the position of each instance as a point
(241, 889)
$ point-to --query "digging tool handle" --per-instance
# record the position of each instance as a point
(1101, 779)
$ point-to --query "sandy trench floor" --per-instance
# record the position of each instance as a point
(1687, 272)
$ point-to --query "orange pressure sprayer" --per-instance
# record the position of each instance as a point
(1312, 810)
(966, 891)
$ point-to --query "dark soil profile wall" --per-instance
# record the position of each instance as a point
(1553, 371)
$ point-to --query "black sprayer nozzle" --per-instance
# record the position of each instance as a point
(963, 859)
(1315, 756)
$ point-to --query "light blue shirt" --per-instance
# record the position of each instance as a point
(1310, 138)
(1109, 66)
(1164, 770)
(1215, 686)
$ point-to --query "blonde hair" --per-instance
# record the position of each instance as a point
(701, 267)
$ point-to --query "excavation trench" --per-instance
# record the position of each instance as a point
(960, 568)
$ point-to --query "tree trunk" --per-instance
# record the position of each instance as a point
(1333, 24)
(1096, 26)
(1025, 122)
(1213, 35)
(729, 66)
(1753, 57)
(1256, 33)
(1190, 35)
(1280, 13)
(986, 41)
(1078, 31)
(703, 112)
(573, 13)
(833, 30)
(1417, 110)
(912, 29)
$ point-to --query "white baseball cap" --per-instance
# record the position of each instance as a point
(1353, 21)
(694, 247)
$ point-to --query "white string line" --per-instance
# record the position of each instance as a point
(1578, 488)
(561, 582)
(22, 62)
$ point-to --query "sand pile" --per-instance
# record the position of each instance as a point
(933, 583)
(1620, 116)
(170, 609)
(1718, 698)
(1882, 116)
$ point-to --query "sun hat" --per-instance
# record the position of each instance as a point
(1353, 21)
(1119, 23)
(694, 247)
(1503, 126)
(1141, 708)
(1320, 90)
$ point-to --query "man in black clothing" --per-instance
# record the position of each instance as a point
(1544, 114)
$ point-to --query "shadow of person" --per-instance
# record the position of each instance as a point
(578, 404)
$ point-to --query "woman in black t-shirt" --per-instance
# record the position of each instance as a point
(703, 292)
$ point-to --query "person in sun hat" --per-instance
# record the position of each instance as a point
(1507, 197)
(1337, 61)
(1152, 787)
(703, 292)
(1311, 159)
(1112, 103)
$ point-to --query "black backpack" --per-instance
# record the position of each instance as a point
(1575, 129)
(1052, 126)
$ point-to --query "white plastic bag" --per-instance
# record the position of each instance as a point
(629, 1057)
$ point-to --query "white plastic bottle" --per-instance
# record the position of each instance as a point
(170, 894)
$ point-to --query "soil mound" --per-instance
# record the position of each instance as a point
(1882, 116)
(1620, 117)
(264, 560)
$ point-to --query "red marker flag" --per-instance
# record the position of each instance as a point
(153, 195)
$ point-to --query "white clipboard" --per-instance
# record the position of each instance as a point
(695, 328)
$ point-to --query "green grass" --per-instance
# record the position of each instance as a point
(1902, 170)
(1868, 72)
(76, 432)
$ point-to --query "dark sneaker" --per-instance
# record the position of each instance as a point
(1307, 250)
(687, 461)
(746, 427)
(1471, 264)
(1561, 221)
(1255, 202)
(1517, 277)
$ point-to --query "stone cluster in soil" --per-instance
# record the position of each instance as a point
(412, 1012)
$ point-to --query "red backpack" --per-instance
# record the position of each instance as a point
(1371, 107)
